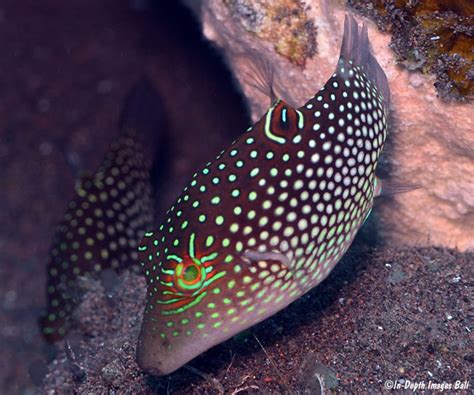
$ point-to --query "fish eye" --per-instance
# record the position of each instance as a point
(189, 276)
(191, 273)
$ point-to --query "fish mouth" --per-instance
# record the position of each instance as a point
(155, 369)
(154, 354)
(150, 359)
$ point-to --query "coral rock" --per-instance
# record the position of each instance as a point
(432, 141)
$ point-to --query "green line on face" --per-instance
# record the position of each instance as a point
(191, 245)
(172, 293)
(214, 278)
(187, 307)
(268, 132)
(209, 257)
(174, 258)
(170, 301)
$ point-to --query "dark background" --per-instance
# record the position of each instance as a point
(65, 68)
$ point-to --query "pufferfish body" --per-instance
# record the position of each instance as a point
(109, 212)
(269, 218)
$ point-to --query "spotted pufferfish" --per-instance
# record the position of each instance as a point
(109, 212)
(270, 217)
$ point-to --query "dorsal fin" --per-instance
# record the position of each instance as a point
(355, 47)
(262, 75)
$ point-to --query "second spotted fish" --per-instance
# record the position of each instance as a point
(108, 213)
(270, 217)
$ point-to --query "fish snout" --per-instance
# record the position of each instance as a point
(157, 355)
(152, 359)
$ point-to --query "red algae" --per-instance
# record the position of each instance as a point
(433, 36)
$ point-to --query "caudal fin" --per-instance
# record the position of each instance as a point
(356, 48)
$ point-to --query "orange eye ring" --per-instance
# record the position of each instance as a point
(190, 275)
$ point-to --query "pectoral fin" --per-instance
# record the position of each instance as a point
(386, 188)
(270, 257)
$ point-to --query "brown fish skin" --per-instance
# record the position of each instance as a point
(269, 218)
(109, 211)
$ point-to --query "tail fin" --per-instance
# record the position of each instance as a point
(355, 47)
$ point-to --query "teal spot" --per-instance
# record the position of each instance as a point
(225, 242)
(254, 172)
(252, 196)
(209, 240)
